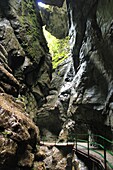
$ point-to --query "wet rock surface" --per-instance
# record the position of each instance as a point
(79, 97)
(8, 83)
(18, 135)
(25, 73)
(24, 56)
(84, 88)
(55, 19)
(91, 50)
(54, 158)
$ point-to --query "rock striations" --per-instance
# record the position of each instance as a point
(25, 74)
(18, 135)
(82, 87)
(76, 98)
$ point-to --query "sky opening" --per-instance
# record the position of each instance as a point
(42, 4)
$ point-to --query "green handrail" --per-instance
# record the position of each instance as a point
(98, 145)
(92, 149)
(82, 140)
(110, 152)
(76, 140)
(104, 138)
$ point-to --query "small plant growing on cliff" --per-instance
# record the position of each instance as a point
(5, 133)
(30, 30)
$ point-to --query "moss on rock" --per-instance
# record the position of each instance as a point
(34, 46)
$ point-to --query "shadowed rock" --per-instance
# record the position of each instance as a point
(18, 135)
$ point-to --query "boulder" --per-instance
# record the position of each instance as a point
(18, 135)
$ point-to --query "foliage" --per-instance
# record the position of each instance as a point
(31, 40)
(59, 48)
(5, 133)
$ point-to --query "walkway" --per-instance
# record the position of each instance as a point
(88, 151)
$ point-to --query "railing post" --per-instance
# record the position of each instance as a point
(76, 142)
(88, 144)
(105, 162)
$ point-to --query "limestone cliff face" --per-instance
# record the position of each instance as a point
(55, 20)
(91, 39)
(80, 95)
(25, 73)
(82, 88)
(26, 54)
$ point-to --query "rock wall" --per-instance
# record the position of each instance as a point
(25, 74)
(92, 56)
(26, 53)
(79, 97)
(83, 85)
(55, 20)
(18, 136)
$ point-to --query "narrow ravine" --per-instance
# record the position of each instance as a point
(54, 91)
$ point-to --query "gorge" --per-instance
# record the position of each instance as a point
(38, 102)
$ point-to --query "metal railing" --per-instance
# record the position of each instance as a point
(102, 145)
(98, 146)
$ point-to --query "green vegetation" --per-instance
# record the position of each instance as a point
(5, 133)
(59, 48)
(31, 40)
